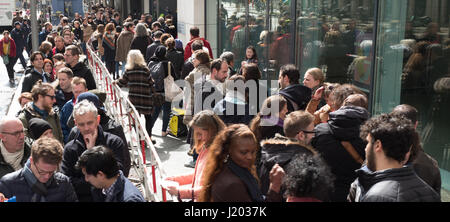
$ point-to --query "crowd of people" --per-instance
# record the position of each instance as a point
(312, 142)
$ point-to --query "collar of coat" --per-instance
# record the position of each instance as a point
(282, 140)
(29, 108)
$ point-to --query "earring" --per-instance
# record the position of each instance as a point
(226, 158)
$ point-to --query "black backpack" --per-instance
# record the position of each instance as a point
(158, 73)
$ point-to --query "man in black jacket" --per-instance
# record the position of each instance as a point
(72, 56)
(296, 95)
(385, 178)
(37, 73)
(39, 180)
(152, 47)
(19, 38)
(90, 134)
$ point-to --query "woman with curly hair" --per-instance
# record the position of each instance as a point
(230, 173)
(308, 179)
(206, 126)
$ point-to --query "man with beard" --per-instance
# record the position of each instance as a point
(299, 130)
(42, 107)
(14, 152)
(385, 178)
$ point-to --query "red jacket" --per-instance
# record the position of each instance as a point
(188, 51)
(12, 48)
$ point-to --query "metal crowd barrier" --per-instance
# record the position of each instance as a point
(150, 172)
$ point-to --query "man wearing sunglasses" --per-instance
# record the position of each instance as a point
(14, 152)
(42, 107)
(38, 180)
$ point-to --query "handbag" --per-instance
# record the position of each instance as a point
(5, 59)
(171, 90)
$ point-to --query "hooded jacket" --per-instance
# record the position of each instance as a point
(391, 185)
(297, 96)
(343, 125)
(279, 150)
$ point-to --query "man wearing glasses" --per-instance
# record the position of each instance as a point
(42, 107)
(298, 128)
(14, 152)
(39, 180)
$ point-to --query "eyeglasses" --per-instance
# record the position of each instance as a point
(16, 134)
(42, 172)
(53, 97)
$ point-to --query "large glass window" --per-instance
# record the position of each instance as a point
(413, 67)
(336, 36)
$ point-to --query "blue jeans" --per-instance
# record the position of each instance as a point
(166, 114)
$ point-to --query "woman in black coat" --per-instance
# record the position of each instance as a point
(141, 39)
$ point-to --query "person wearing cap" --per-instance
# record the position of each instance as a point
(19, 38)
(38, 128)
(107, 123)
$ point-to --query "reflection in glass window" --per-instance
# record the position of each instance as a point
(337, 37)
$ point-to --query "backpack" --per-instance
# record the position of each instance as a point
(158, 74)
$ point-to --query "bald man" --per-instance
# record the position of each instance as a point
(14, 152)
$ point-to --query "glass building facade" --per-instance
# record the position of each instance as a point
(397, 51)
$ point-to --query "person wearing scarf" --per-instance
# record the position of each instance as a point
(109, 45)
(230, 174)
(8, 54)
(39, 180)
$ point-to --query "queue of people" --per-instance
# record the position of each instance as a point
(311, 142)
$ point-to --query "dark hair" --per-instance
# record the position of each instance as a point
(227, 56)
(195, 31)
(97, 159)
(292, 72)
(396, 134)
(308, 176)
(34, 54)
(216, 64)
(340, 93)
(406, 110)
(251, 72)
(197, 45)
(58, 56)
(254, 57)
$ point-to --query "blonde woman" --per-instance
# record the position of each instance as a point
(137, 77)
